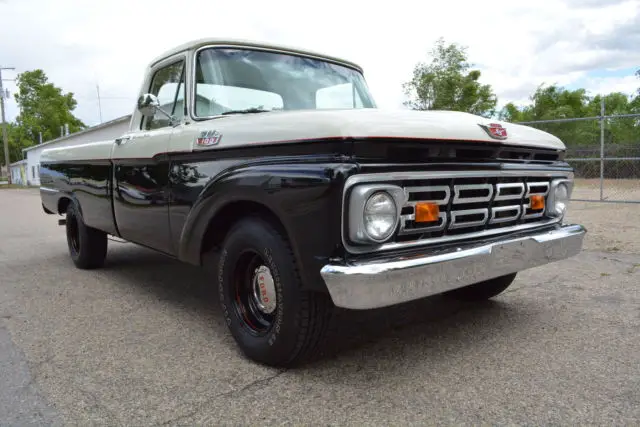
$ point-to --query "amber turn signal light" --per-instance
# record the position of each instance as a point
(427, 212)
(537, 202)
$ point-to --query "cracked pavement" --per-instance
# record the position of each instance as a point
(142, 342)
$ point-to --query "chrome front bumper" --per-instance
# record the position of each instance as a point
(374, 284)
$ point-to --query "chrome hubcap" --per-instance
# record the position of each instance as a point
(264, 290)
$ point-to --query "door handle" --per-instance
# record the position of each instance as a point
(122, 139)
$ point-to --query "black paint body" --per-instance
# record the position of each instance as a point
(181, 204)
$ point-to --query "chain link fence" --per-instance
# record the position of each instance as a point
(605, 153)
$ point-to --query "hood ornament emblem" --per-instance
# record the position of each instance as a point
(495, 130)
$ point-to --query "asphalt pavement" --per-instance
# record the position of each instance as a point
(142, 342)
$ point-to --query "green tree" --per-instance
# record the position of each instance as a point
(18, 139)
(449, 83)
(634, 105)
(554, 102)
(548, 103)
(44, 107)
(511, 113)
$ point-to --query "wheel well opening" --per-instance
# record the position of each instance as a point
(220, 224)
(63, 204)
(47, 211)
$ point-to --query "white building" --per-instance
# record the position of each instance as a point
(108, 130)
(19, 172)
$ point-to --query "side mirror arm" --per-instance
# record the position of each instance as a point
(169, 116)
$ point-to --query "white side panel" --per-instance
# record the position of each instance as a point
(88, 146)
(143, 144)
(99, 150)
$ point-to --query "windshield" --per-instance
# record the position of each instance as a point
(233, 79)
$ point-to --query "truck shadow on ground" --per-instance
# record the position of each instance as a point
(350, 332)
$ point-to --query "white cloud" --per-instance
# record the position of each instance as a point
(517, 45)
(600, 85)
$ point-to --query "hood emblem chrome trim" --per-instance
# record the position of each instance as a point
(495, 130)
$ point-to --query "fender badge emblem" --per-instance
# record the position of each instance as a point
(495, 130)
(208, 138)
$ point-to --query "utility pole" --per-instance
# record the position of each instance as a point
(5, 138)
(99, 104)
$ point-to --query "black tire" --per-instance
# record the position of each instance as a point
(482, 290)
(87, 246)
(292, 331)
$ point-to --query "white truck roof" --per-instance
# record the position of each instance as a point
(197, 43)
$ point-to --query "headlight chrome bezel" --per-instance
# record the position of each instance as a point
(358, 198)
(551, 199)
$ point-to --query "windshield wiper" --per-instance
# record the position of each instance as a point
(247, 111)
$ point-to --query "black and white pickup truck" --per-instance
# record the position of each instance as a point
(275, 165)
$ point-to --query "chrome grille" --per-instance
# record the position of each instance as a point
(472, 204)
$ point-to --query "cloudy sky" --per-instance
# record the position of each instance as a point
(517, 44)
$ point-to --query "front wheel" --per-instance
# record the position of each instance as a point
(483, 290)
(271, 318)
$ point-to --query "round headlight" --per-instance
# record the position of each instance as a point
(380, 215)
(560, 200)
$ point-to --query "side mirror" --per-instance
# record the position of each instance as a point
(148, 104)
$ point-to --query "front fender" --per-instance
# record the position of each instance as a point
(305, 198)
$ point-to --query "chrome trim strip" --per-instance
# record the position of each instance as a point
(393, 176)
(527, 206)
(445, 239)
(49, 190)
(428, 189)
(465, 224)
(532, 215)
(380, 283)
(442, 223)
(457, 188)
(537, 184)
(500, 220)
(503, 185)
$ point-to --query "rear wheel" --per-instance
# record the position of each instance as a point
(87, 246)
(482, 290)
(271, 318)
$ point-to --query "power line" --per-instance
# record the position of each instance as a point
(102, 97)
(5, 138)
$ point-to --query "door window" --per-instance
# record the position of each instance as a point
(168, 85)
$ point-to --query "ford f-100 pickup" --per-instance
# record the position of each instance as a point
(275, 165)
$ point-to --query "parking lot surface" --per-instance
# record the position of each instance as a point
(142, 342)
